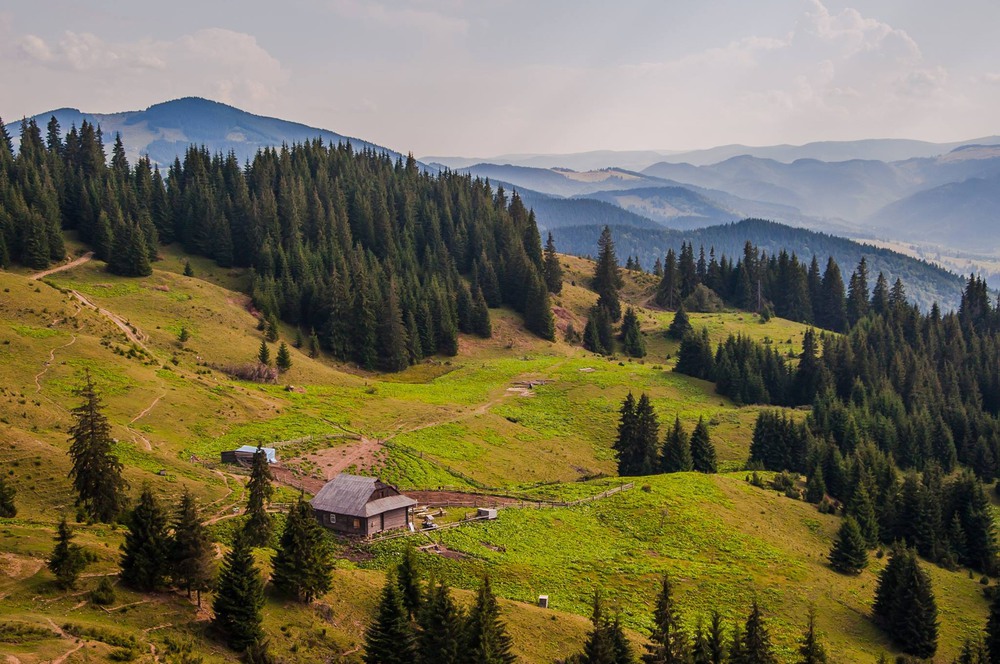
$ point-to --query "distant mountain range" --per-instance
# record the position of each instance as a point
(164, 131)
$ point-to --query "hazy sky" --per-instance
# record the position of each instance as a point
(474, 78)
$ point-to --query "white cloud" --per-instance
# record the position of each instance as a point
(400, 14)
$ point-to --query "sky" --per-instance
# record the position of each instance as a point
(473, 78)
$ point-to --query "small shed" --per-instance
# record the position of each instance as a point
(357, 505)
(244, 455)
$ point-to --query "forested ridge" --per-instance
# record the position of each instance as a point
(383, 262)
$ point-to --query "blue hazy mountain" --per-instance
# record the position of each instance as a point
(164, 131)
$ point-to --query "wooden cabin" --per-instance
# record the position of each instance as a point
(364, 506)
(243, 456)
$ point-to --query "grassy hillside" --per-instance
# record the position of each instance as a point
(513, 414)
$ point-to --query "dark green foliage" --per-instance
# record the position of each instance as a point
(96, 471)
(104, 593)
(849, 554)
(607, 279)
(904, 604)
(668, 641)
(992, 635)
(129, 252)
(439, 640)
(668, 292)
(302, 566)
(188, 270)
(606, 643)
(676, 454)
(632, 342)
(816, 487)
(258, 523)
(811, 650)
(191, 554)
(67, 559)
(757, 647)
(974, 651)
(716, 639)
(638, 437)
(551, 267)
(701, 650)
(863, 510)
(597, 335)
(695, 356)
(702, 450)
(537, 309)
(144, 562)
(8, 509)
(239, 599)
(411, 590)
(264, 353)
(680, 325)
(283, 360)
(389, 639)
(487, 639)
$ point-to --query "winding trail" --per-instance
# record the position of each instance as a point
(132, 333)
(65, 266)
(135, 433)
(48, 363)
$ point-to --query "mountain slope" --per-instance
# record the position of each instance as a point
(164, 131)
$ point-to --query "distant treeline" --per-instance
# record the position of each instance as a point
(384, 262)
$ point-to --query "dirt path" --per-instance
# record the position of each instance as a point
(132, 333)
(66, 266)
(48, 363)
(135, 433)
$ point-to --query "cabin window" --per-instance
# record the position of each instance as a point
(357, 523)
(331, 518)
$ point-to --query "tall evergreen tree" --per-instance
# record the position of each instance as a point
(676, 455)
(389, 639)
(811, 650)
(302, 566)
(599, 647)
(607, 279)
(857, 293)
(832, 313)
(538, 309)
(441, 627)
(625, 445)
(487, 639)
(411, 590)
(668, 292)
(757, 648)
(191, 552)
(716, 639)
(632, 341)
(702, 450)
(680, 325)
(283, 360)
(96, 471)
(392, 353)
(904, 604)
(67, 559)
(258, 523)
(849, 554)
(144, 562)
(668, 642)
(264, 353)
(552, 269)
(239, 600)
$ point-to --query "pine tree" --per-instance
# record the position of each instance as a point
(144, 562)
(694, 358)
(857, 293)
(993, 630)
(816, 487)
(632, 342)
(904, 604)
(680, 325)
(552, 269)
(716, 639)
(239, 600)
(67, 559)
(607, 280)
(669, 644)
(863, 510)
(301, 568)
(702, 450)
(811, 651)
(188, 270)
(849, 554)
(191, 553)
(392, 338)
(646, 443)
(411, 590)
(757, 647)
(487, 638)
(8, 509)
(259, 489)
(626, 445)
(283, 360)
(833, 312)
(96, 472)
(389, 639)
(599, 647)
(129, 252)
(538, 310)
(701, 650)
(264, 353)
(441, 622)
(676, 455)
(313, 345)
(668, 290)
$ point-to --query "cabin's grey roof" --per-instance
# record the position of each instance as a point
(349, 494)
(269, 452)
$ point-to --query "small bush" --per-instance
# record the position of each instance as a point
(104, 593)
(783, 481)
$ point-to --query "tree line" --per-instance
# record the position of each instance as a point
(640, 452)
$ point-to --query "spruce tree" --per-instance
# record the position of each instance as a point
(551, 267)
(702, 450)
(904, 604)
(680, 325)
(676, 455)
(857, 293)
(67, 559)
(283, 360)
(441, 624)
(392, 338)
(993, 630)
(239, 599)
(716, 639)
(96, 471)
(487, 639)
(668, 290)
(599, 647)
(264, 353)
(632, 341)
(626, 445)
(607, 279)
(258, 523)
(144, 562)
(8, 509)
(811, 651)
(389, 639)
(849, 554)
(301, 568)
(411, 590)
(188, 270)
(701, 650)
(191, 553)
(815, 486)
(757, 647)
(647, 438)
(863, 510)
(538, 310)
(668, 642)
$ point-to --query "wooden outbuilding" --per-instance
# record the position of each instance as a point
(363, 506)
(244, 455)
